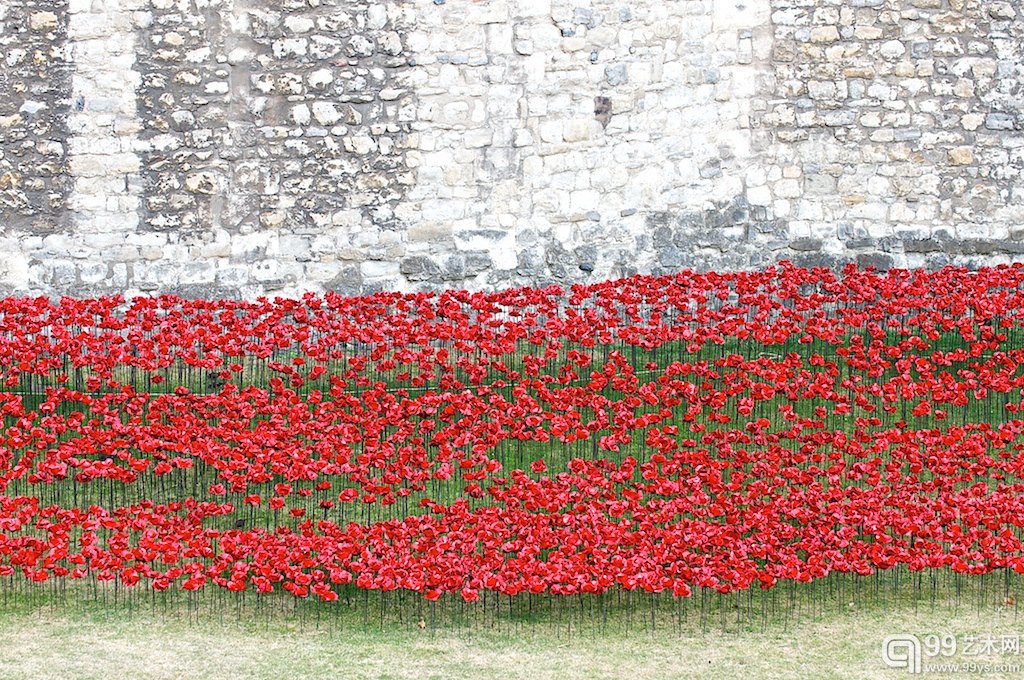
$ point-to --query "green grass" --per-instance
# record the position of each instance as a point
(825, 631)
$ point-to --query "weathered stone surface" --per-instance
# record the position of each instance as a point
(276, 119)
(238, 147)
(420, 268)
(35, 88)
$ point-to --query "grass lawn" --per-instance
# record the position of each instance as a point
(823, 638)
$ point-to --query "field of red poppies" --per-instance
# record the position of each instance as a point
(684, 434)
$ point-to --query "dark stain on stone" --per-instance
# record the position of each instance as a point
(730, 234)
(603, 110)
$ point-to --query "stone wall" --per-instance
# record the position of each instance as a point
(243, 147)
(35, 86)
(901, 124)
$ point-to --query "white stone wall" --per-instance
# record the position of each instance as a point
(547, 133)
(239, 147)
(102, 149)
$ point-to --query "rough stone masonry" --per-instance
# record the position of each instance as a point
(250, 147)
